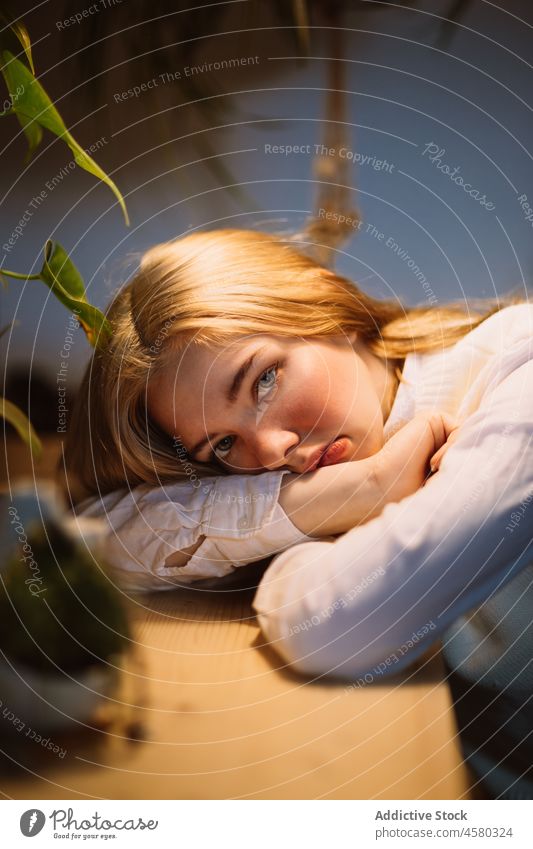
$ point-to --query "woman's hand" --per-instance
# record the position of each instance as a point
(333, 499)
(435, 461)
(404, 462)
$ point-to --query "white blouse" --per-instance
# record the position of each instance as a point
(370, 602)
(239, 515)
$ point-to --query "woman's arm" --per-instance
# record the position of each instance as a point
(372, 601)
(191, 530)
(334, 499)
(201, 529)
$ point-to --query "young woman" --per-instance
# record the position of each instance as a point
(251, 403)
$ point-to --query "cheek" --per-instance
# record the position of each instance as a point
(314, 400)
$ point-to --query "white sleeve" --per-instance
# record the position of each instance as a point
(369, 603)
(239, 516)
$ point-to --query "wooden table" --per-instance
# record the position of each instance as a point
(219, 717)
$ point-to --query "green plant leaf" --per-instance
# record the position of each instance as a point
(22, 425)
(34, 108)
(59, 264)
(23, 36)
(33, 134)
(63, 278)
(65, 281)
(19, 30)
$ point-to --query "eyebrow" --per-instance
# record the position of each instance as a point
(232, 393)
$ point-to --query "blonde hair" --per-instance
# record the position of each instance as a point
(207, 288)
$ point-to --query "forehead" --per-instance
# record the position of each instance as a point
(180, 396)
(197, 365)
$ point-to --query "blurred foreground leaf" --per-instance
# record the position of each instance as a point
(22, 425)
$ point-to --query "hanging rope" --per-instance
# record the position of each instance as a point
(334, 202)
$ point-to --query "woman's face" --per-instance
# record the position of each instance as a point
(266, 402)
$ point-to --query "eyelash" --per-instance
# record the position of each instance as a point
(275, 367)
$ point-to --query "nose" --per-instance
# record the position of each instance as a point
(272, 445)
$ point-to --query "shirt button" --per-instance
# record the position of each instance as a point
(242, 523)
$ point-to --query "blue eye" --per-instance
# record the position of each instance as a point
(219, 444)
(270, 381)
(269, 376)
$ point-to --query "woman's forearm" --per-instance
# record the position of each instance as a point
(333, 499)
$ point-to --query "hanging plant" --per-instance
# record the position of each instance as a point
(28, 100)
(64, 627)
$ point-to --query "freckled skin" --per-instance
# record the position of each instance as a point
(325, 387)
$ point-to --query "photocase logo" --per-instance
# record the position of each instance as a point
(32, 822)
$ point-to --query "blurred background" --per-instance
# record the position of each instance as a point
(209, 117)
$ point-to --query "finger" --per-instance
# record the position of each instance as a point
(438, 427)
(435, 461)
(450, 424)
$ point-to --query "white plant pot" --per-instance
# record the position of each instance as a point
(53, 702)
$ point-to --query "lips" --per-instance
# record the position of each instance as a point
(328, 455)
(334, 452)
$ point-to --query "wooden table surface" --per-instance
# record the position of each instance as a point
(207, 710)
